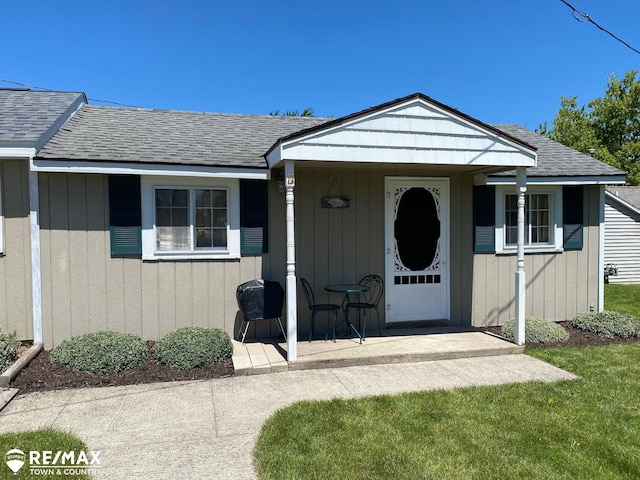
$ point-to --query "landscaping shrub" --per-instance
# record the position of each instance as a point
(101, 352)
(536, 330)
(192, 347)
(8, 350)
(608, 324)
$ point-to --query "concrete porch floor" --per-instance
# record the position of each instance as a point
(393, 346)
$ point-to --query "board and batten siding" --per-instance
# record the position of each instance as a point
(559, 285)
(343, 245)
(16, 313)
(85, 290)
(622, 242)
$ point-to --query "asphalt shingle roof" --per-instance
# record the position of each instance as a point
(111, 134)
(26, 115)
(555, 159)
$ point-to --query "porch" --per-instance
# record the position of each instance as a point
(393, 346)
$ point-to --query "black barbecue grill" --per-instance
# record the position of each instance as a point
(260, 300)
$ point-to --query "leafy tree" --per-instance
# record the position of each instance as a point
(307, 112)
(609, 124)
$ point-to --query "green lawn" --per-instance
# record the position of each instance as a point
(622, 298)
(582, 429)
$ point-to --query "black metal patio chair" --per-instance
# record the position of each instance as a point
(367, 301)
(319, 307)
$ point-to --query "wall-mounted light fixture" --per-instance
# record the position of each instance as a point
(278, 175)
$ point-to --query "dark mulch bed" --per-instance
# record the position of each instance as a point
(577, 338)
(41, 375)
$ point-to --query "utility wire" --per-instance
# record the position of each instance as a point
(49, 90)
(576, 14)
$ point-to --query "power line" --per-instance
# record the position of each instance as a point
(49, 90)
(576, 14)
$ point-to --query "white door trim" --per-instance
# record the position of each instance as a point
(444, 184)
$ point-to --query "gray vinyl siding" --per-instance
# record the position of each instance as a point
(559, 285)
(85, 290)
(16, 311)
(622, 242)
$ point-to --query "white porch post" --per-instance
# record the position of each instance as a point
(521, 188)
(292, 303)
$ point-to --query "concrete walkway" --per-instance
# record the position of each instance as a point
(207, 429)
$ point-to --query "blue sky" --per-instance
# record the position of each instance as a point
(497, 60)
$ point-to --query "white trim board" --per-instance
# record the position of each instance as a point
(120, 168)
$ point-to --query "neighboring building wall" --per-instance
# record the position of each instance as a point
(85, 290)
(558, 285)
(622, 242)
(15, 262)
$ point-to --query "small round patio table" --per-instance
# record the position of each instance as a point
(346, 289)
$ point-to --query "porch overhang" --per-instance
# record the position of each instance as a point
(415, 130)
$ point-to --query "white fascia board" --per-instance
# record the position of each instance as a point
(275, 156)
(591, 180)
(622, 202)
(17, 152)
(115, 168)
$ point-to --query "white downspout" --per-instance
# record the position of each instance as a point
(36, 278)
(521, 188)
(292, 303)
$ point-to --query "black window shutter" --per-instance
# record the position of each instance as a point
(484, 218)
(254, 211)
(124, 215)
(572, 217)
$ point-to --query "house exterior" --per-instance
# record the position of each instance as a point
(147, 220)
(622, 233)
(27, 121)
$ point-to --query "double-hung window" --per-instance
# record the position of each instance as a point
(542, 221)
(538, 212)
(190, 218)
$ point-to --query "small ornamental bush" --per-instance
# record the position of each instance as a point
(536, 330)
(608, 324)
(193, 347)
(101, 352)
(8, 350)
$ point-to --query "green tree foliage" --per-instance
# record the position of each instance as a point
(609, 124)
(307, 112)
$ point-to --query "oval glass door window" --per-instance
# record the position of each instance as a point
(417, 229)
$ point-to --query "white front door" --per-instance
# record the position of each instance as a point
(417, 249)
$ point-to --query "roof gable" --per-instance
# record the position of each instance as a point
(28, 118)
(414, 130)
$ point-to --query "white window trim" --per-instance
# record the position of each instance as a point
(148, 184)
(556, 246)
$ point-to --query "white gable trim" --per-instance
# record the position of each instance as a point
(412, 132)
